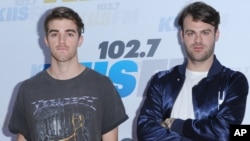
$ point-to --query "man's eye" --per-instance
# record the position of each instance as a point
(71, 34)
(53, 35)
(206, 33)
(190, 33)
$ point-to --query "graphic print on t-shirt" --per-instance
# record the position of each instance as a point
(63, 119)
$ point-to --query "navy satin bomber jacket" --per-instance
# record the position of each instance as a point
(219, 100)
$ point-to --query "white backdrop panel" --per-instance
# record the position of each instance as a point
(111, 23)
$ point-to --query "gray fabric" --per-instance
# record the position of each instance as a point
(81, 108)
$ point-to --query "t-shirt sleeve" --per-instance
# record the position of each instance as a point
(113, 108)
(18, 122)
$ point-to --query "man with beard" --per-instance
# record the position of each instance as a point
(199, 99)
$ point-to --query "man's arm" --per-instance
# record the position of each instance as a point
(111, 135)
(20, 137)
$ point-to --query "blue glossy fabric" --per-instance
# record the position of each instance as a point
(219, 100)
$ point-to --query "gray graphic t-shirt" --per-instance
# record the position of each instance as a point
(78, 109)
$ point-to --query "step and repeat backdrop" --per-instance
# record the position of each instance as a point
(126, 40)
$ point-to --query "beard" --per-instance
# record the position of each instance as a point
(200, 56)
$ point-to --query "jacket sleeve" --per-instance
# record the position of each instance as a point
(152, 114)
(217, 127)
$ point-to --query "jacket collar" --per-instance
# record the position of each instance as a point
(215, 68)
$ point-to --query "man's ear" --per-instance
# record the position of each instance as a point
(217, 34)
(181, 35)
(45, 41)
(80, 41)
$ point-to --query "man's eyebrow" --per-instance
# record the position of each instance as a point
(71, 30)
(68, 30)
(190, 30)
(53, 30)
(207, 30)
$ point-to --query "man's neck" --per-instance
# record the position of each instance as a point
(63, 71)
(202, 66)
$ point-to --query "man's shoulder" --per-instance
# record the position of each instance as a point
(233, 73)
(35, 78)
(93, 75)
(169, 71)
(175, 71)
